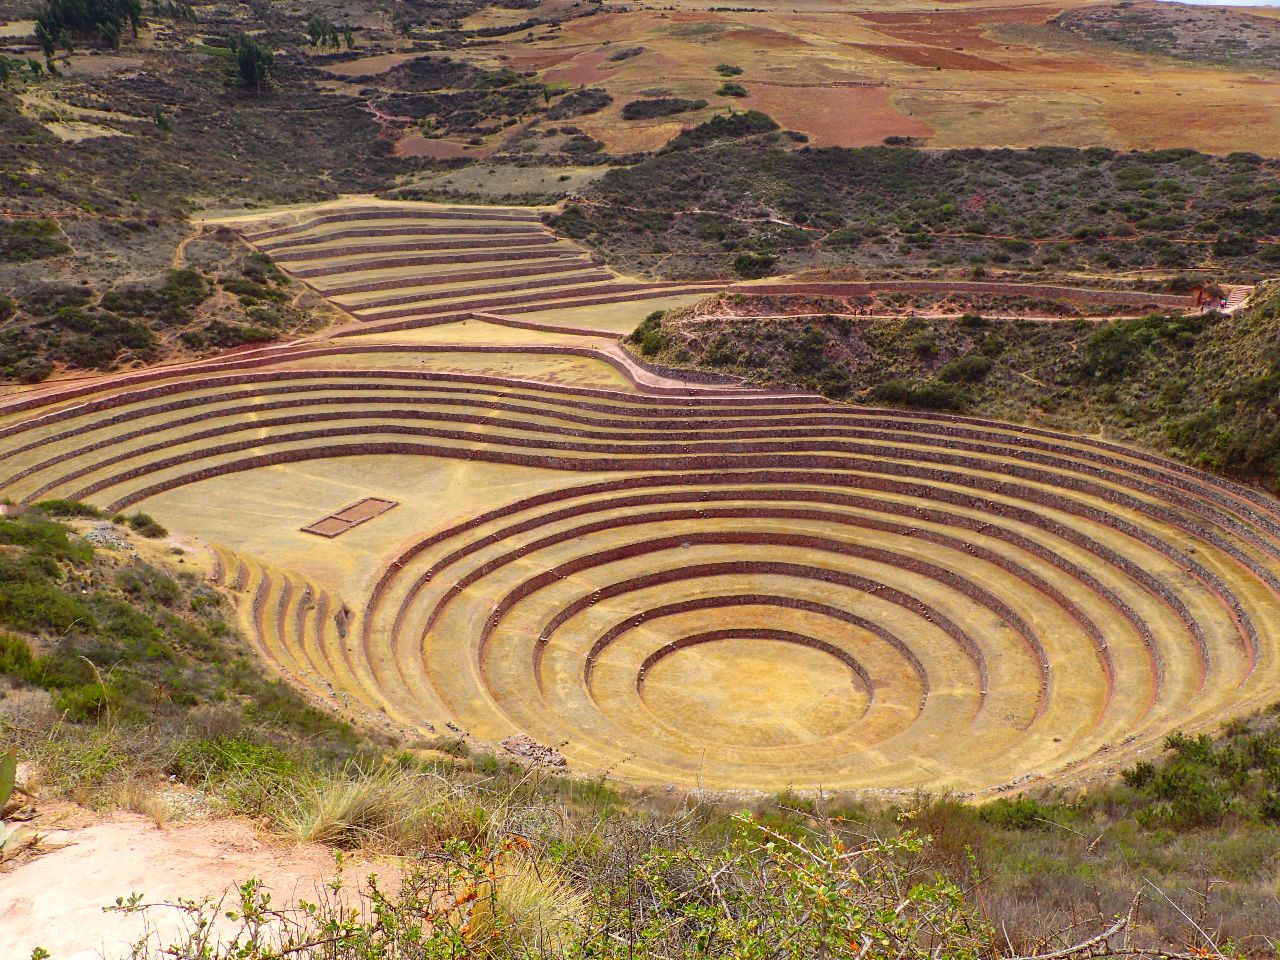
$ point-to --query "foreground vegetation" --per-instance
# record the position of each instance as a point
(1203, 388)
(123, 684)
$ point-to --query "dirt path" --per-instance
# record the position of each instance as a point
(55, 900)
(1038, 318)
(180, 251)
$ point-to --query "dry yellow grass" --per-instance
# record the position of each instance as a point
(387, 810)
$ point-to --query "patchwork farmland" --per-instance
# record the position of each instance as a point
(524, 531)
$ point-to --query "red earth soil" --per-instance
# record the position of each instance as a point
(764, 37)
(585, 68)
(416, 145)
(836, 116)
(921, 56)
(953, 29)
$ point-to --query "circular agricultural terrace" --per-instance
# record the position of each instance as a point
(689, 584)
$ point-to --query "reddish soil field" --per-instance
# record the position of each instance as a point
(966, 26)
(585, 68)
(836, 116)
(416, 145)
(763, 37)
(930, 57)
(537, 59)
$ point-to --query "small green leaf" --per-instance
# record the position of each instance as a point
(8, 775)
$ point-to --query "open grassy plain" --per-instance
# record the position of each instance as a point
(679, 582)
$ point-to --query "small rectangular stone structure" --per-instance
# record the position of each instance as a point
(349, 516)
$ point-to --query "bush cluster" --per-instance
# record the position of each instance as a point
(1045, 209)
(34, 239)
(124, 639)
(652, 108)
(649, 336)
(61, 22)
(579, 103)
(1204, 782)
(730, 127)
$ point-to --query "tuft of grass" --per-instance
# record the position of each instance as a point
(143, 799)
(390, 810)
(247, 774)
(528, 909)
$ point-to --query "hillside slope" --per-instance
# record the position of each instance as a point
(758, 206)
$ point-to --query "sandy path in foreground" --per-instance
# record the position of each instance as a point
(55, 900)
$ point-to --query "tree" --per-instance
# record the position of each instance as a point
(48, 41)
(63, 20)
(322, 32)
(254, 61)
(346, 36)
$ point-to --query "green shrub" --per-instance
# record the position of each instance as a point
(572, 223)
(732, 90)
(22, 240)
(1269, 806)
(732, 127)
(924, 346)
(44, 539)
(581, 144)
(68, 508)
(808, 355)
(971, 368)
(146, 584)
(146, 525)
(171, 303)
(250, 291)
(1139, 775)
(659, 107)
(91, 702)
(39, 606)
(203, 759)
(1020, 813)
(16, 659)
(835, 382)
(579, 103)
(1191, 798)
(1117, 348)
(753, 266)
(1233, 245)
(927, 394)
(728, 70)
(649, 335)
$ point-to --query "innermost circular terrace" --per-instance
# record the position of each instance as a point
(753, 688)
